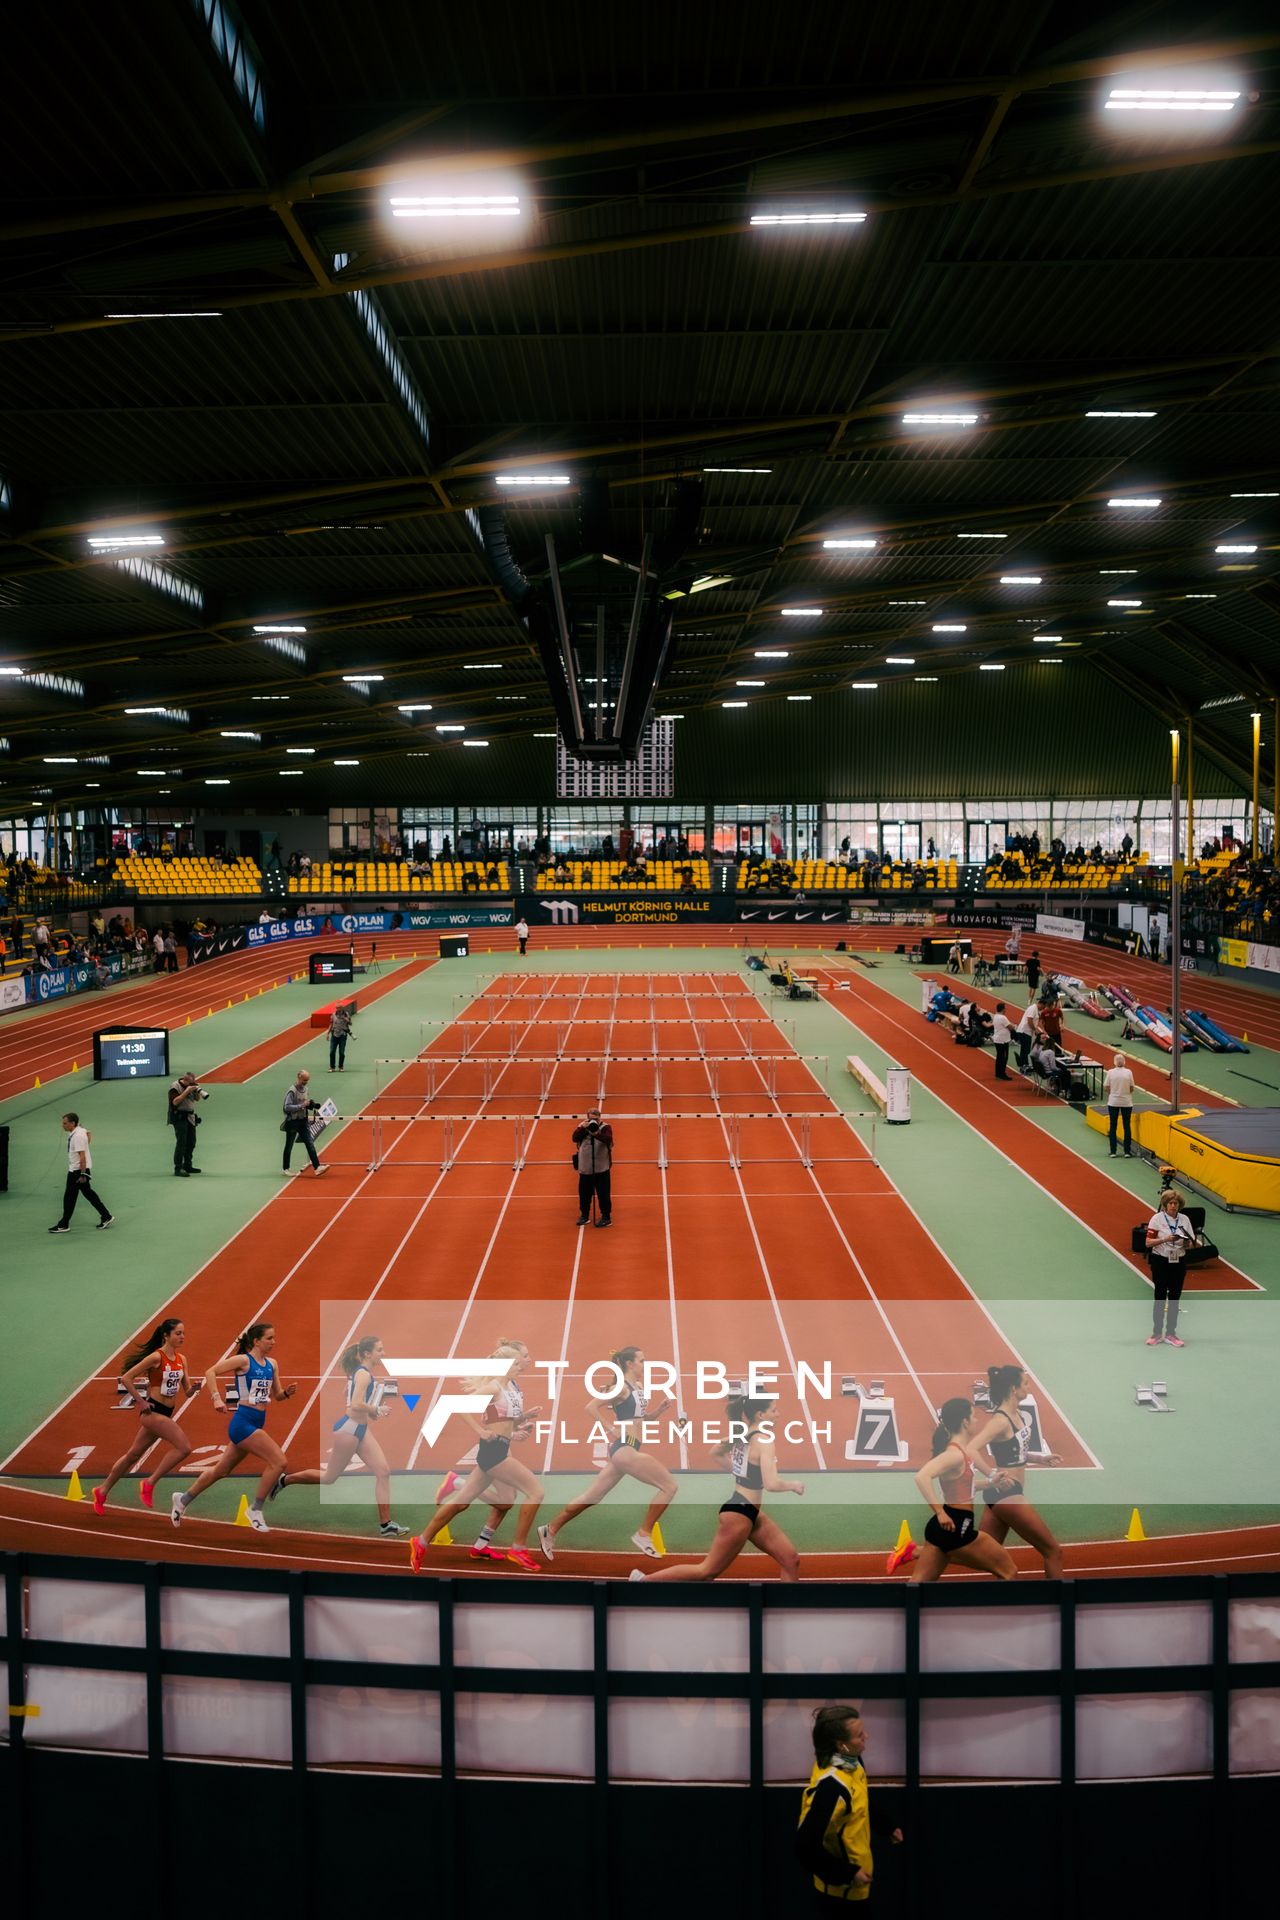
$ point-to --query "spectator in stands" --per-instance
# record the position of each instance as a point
(470, 880)
(1126, 845)
(16, 931)
(687, 881)
(304, 863)
(42, 939)
(492, 876)
(170, 944)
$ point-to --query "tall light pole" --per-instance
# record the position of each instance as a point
(1257, 742)
(1175, 928)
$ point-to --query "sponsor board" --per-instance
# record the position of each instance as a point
(1123, 939)
(1266, 959)
(500, 915)
(990, 917)
(608, 909)
(1233, 953)
(13, 993)
(792, 916)
(1061, 928)
(891, 916)
(385, 920)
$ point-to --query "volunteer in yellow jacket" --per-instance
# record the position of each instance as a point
(833, 1838)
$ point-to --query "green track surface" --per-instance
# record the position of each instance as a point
(1074, 1310)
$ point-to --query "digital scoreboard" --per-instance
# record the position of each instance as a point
(330, 968)
(131, 1053)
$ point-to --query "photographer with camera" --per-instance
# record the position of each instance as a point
(593, 1159)
(296, 1125)
(185, 1095)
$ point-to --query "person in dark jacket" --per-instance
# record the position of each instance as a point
(833, 1838)
(593, 1159)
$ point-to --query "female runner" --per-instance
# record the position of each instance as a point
(505, 1419)
(155, 1376)
(1005, 1436)
(753, 1464)
(257, 1382)
(352, 1436)
(624, 1458)
(951, 1535)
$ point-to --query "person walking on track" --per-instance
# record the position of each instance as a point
(351, 1436)
(1006, 1435)
(593, 1158)
(155, 1375)
(296, 1125)
(1170, 1235)
(79, 1176)
(753, 1464)
(254, 1382)
(341, 1021)
(1118, 1082)
(951, 1534)
(833, 1838)
(504, 1419)
(625, 1460)
(522, 933)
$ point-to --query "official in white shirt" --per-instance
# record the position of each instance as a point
(1118, 1082)
(79, 1175)
(1170, 1237)
(1026, 1033)
(1001, 1035)
(522, 933)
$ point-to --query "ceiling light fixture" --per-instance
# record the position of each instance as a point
(723, 470)
(863, 546)
(1254, 496)
(1171, 100)
(948, 626)
(1104, 571)
(982, 536)
(418, 706)
(299, 750)
(279, 629)
(117, 542)
(793, 698)
(12, 673)
(291, 773)
(1048, 662)
(740, 683)
(475, 743)
(190, 313)
(233, 733)
(60, 760)
(151, 773)
(836, 218)
(914, 603)
(802, 613)
(991, 666)
(442, 728)
(939, 419)
(1019, 579)
(361, 679)
(1234, 547)
(926, 679)
(733, 703)
(1047, 640)
(481, 666)
(1136, 500)
(346, 763)
(1119, 413)
(772, 653)
(899, 659)
(533, 479)
(217, 783)
(1124, 603)
(455, 206)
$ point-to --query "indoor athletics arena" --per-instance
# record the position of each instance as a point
(720, 1319)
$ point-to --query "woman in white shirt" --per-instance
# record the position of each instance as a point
(1170, 1236)
(1119, 1085)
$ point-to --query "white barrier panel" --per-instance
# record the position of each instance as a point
(844, 1643)
(1056, 924)
(788, 1745)
(372, 1726)
(677, 1640)
(987, 1639)
(525, 1733)
(532, 1637)
(1254, 1630)
(1255, 1730)
(1118, 1636)
(678, 1739)
(1143, 1736)
(1020, 1739)
(394, 1632)
(79, 1708)
(97, 1612)
(192, 1621)
(227, 1720)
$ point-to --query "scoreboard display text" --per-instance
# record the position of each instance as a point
(328, 968)
(131, 1053)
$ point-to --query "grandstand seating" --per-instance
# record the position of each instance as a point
(197, 876)
(605, 875)
(361, 874)
(829, 876)
(1078, 876)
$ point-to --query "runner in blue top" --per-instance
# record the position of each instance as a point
(254, 1381)
(351, 1435)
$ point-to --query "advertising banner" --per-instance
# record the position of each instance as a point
(13, 993)
(891, 916)
(1063, 929)
(625, 909)
(1265, 958)
(51, 985)
(1123, 939)
(1233, 953)
(1003, 917)
(309, 926)
(804, 913)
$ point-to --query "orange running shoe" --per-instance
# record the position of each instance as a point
(486, 1553)
(99, 1502)
(446, 1487)
(522, 1559)
(416, 1552)
(902, 1557)
(146, 1493)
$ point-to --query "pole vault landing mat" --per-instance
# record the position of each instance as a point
(1234, 1155)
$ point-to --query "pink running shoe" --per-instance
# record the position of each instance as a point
(99, 1502)
(1172, 1340)
(902, 1557)
(416, 1553)
(1155, 1340)
(521, 1558)
(146, 1493)
(486, 1553)
(446, 1487)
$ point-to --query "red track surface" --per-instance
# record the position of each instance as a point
(408, 1233)
(266, 1054)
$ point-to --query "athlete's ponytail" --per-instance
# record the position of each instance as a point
(1001, 1382)
(353, 1356)
(152, 1342)
(252, 1334)
(952, 1415)
(623, 1357)
(744, 1410)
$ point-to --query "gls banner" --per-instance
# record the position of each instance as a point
(383, 920)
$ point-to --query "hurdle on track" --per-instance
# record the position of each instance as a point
(791, 1130)
(439, 1068)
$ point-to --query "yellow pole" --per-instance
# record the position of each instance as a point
(1275, 777)
(1257, 742)
(1191, 811)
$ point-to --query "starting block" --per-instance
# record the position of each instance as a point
(1154, 1398)
(875, 1439)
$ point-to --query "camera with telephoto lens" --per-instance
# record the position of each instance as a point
(593, 1126)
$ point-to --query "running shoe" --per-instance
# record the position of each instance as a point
(547, 1542)
(521, 1557)
(59, 1229)
(176, 1509)
(392, 1530)
(279, 1486)
(446, 1487)
(1172, 1340)
(644, 1541)
(479, 1552)
(147, 1494)
(417, 1549)
(902, 1557)
(635, 1574)
(258, 1520)
(108, 1222)
(99, 1502)
(320, 1170)
(1155, 1339)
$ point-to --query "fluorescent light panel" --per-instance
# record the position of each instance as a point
(1019, 579)
(533, 479)
(279, 629)
(939, 419)
(1235, 547)
(772, 653)
(947, 626)
(1136, 500)
(1120, 413)
(1171, 100)
(864, 546)
(801, 613)
(455, 206)
(115, 542)
(835, 218)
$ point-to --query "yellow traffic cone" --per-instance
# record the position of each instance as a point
(1135, 1529)
(228, 1005)
(242, 1511)
(211, 1013)
(37, 1080)
(658, 1541)
(443, 1539)
(904, 1538)
(188, 1019)
(75, 1066)
(74, 1490)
